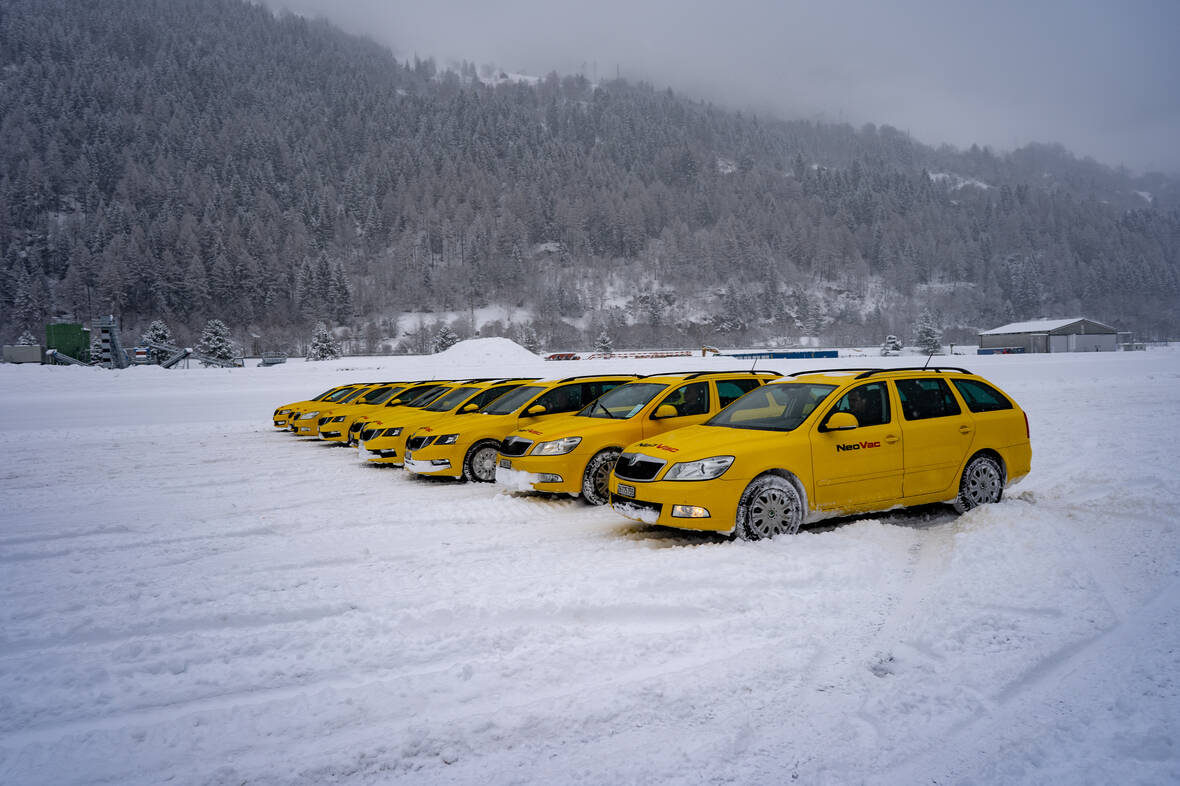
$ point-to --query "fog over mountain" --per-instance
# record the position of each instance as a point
(1099, 78)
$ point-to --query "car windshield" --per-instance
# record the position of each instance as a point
(387, 395)
(428, 396)
(339, 394)
(780, 407)
(375, 396)
(510, 402)
(350, 396)
(408, 395)
(451, 400)
(623, 402)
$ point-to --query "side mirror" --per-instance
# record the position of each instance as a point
(665, 411)
(535, 410)
(841, 421)
(468, 408)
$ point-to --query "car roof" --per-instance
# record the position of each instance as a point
(673, 376)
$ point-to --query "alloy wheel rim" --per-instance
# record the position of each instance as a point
(774, 512)
(484, 463)
(983, 484)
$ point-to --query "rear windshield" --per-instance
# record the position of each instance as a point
(510, 402)
(623, 402)
(451, 400)
(780, 407)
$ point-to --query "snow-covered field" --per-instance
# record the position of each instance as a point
(188, 596)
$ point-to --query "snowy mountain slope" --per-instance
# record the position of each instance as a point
(187, 595)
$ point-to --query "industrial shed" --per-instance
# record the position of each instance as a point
(1050, 335)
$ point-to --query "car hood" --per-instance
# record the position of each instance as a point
(560, 426)
(697, 442)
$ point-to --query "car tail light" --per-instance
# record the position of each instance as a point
(1027, 433)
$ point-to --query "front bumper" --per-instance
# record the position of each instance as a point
(652, 502)
(429, 467)
(556, 474)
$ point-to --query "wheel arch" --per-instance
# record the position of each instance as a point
(791, 478)
(991, 453)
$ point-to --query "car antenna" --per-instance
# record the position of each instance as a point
(753, 364)
(927, 363)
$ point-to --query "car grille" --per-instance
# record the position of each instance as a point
(635, 504)
(515, 446)
(636, 466)
(417, 443)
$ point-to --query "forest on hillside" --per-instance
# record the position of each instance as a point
(211, 159)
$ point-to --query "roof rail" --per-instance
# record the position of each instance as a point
(828, 370)
(936, 369)
(512, 379)
(593, 376)
(768, 372)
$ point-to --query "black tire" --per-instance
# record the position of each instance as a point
(771, 505)
(596, 478)
(982, 484)
(479, 465)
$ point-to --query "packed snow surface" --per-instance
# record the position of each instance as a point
(189, 596)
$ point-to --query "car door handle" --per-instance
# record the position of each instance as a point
(891, 439)
(964, 429)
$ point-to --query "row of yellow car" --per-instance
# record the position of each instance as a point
(750, 453)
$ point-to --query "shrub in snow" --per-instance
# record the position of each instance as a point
(95, 350)
(603, 343)
(529, 340)
(157, 333)
(322, 347)
(26, 339)
(215, 341)
(891, 346)
(927, 334)
(445, 339)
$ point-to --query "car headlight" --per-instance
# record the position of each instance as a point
(283, 412)
(557, 447)
(393, 432)
(705, 469)
(447, 439)
(308, 415)
(338, 419)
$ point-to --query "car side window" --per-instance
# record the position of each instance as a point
(926, 398)
(730, 390)
(592, 390)
(567, 398)
(869, 403)
(690, 399)
(980, 396)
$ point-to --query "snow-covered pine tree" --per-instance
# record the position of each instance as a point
(95, 349)
(529, 339)
(157, 333)
(927, 334)
(445, 339)
(603, 344)
(322, 346)
(215, 341)
(26, 339)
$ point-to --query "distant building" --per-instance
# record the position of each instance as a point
(1050, 335)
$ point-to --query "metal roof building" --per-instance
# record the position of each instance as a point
(1051, 335)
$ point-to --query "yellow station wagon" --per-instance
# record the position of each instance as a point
(826, 443)
(466, 445)
(282, 414)
(574, 454)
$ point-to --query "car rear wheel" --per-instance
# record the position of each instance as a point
(770, 505)
(596, 479)
(480, 464)
(982, 483)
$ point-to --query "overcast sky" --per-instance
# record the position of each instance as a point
(1102, 78)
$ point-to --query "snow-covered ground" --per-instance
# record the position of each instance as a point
(188, 596)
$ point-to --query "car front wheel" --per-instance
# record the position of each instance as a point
(480, 463)
(982, 483)
(596, 480)
(770, 505)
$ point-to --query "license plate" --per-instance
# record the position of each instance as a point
(506, 463)
(626, 491)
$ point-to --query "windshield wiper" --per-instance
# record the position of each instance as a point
(602, 406)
